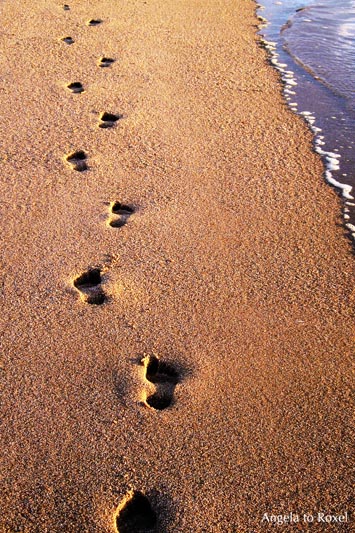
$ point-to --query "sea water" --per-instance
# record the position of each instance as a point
(312, 43)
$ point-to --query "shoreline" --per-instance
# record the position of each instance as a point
(304, 90)
(177, 311)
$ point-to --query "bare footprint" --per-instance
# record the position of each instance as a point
(120, 214)
(77, 160)
(94, 22)
(105, 61)
(135, 514)
(107, 120)
(75, 87)
(89, 286)
(67, 40)
(165, 377)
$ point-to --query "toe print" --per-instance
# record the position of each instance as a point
(75, 87)
(107, 120)
(105, 61)
(89, 286)
(120, 214)
(165, 377)
(77, 160)
(135, 514)
(67, 40)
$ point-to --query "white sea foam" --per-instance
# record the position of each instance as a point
(269, 45)
(351, 227)
(329, 155)
(332, 164)
(346, 189)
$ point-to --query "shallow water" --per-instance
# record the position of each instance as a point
(313, 45)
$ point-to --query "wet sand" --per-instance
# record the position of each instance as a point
(195, 233)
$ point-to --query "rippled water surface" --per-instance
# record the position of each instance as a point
(315, 41)
(322, 38)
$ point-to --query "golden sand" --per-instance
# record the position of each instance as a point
(188, 366)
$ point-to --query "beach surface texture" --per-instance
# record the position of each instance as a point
(177, 298)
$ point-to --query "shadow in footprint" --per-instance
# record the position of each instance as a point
(165, 377)
(120, 214)
(66, 7)
(107, 120)
(89, 286)
(75, 87)
(94, 22)
(77, 160)
(67, 40)
(105, 61)
(135, 514)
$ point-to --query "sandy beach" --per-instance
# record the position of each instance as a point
(177, 296)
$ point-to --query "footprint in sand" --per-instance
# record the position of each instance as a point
(165, 377)
(77, 160)
(120, 214)
(66, 7)
(89, 286)
(67, 40)
(75, 87)
(135, 514)
(107, 120)
(105, 61)
(94, 22)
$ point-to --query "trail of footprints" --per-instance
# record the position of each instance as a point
(68, 40)
(164, 377)
(77, 160)
(89, 286)
(76, 87)
(107, 120)
(105, 61)
(135, 513)
(119, 214)
(94, 22)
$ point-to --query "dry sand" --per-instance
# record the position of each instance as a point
(234, 269)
